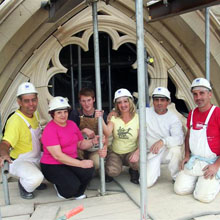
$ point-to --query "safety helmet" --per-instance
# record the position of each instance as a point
(161, 92)
(201, 82)
(58, 102)
(26, 88)
(121, 93)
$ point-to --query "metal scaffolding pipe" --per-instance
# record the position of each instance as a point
(142, 106)
(207, 44)
(79, 69)
(72, 77)
(146, 78)
(98, 90)
(109, 77)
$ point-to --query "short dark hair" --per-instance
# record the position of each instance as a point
(86, 92)
(53, 111)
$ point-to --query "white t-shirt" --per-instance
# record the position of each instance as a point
(166, 126)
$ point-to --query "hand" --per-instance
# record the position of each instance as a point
(88, 132)
(95, 140)
(86, 163)
(103, 152)
(99, 113)
(210, 171)
(155, 148)
(185, 160)
(3, 159)
(112, 113)
(134, 156)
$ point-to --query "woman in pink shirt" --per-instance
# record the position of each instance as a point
(59, 163)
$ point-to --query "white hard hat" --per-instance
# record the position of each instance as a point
(161, 92)
(58, 102)
(201, 82)
(26, 88)
(121, 93)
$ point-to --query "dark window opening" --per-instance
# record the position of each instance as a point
(122, 73)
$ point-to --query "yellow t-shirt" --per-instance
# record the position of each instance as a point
(125, 136)
(18, 134)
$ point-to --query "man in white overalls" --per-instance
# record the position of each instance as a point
(200, 174)
(20, 145)
(164, 137)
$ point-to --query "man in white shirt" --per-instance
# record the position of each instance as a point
(164, 137)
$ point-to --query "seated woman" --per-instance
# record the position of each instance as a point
(59, 163)
(125, 128)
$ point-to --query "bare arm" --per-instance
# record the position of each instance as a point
(4, 152)
(187, 150)
(57, 153)
(107, 129)
(86, 144)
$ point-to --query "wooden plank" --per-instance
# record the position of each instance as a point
(18, 209)
(45, 213)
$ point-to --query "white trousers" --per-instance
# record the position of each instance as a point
(172, 156)
(28, 172)
(193, 181)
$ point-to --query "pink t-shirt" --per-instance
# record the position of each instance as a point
(213, 129)
(67, 137)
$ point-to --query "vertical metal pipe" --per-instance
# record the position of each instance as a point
(146, 78)
(53, 86)
(98, 89)
(5, 170)
(72, 77)
(142, 106)
(109, 77)
(79, 69)
(207, 44)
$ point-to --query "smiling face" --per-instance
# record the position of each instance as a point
(28, 104)
(87, 103)
(60, 117)
(123, 104)
(160, 105)
(202, 98)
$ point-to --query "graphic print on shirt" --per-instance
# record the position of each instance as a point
(124, 133)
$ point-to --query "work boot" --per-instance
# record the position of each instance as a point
(23, 193)
(42, 186)
(134, 174)
(108, 179)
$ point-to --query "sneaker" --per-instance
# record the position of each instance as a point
(83, 196)
(58, 192)
(42, 186)
(23, 193)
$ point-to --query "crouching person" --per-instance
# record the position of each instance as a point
(200, 174)
(59, 163)
(21, 145)
(125, 130)
(164, 137)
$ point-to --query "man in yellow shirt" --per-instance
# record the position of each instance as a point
(20, 145)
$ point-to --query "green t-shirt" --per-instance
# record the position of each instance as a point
(18, 134)
(125, 136)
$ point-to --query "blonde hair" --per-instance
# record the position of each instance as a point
(132, 108)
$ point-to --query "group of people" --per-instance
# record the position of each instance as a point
(70, 143)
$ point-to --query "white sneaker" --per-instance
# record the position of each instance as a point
(83, 196)
(58, 192)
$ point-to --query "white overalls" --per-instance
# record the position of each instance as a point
(26, 166)
(171, 155)
(191, 179)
